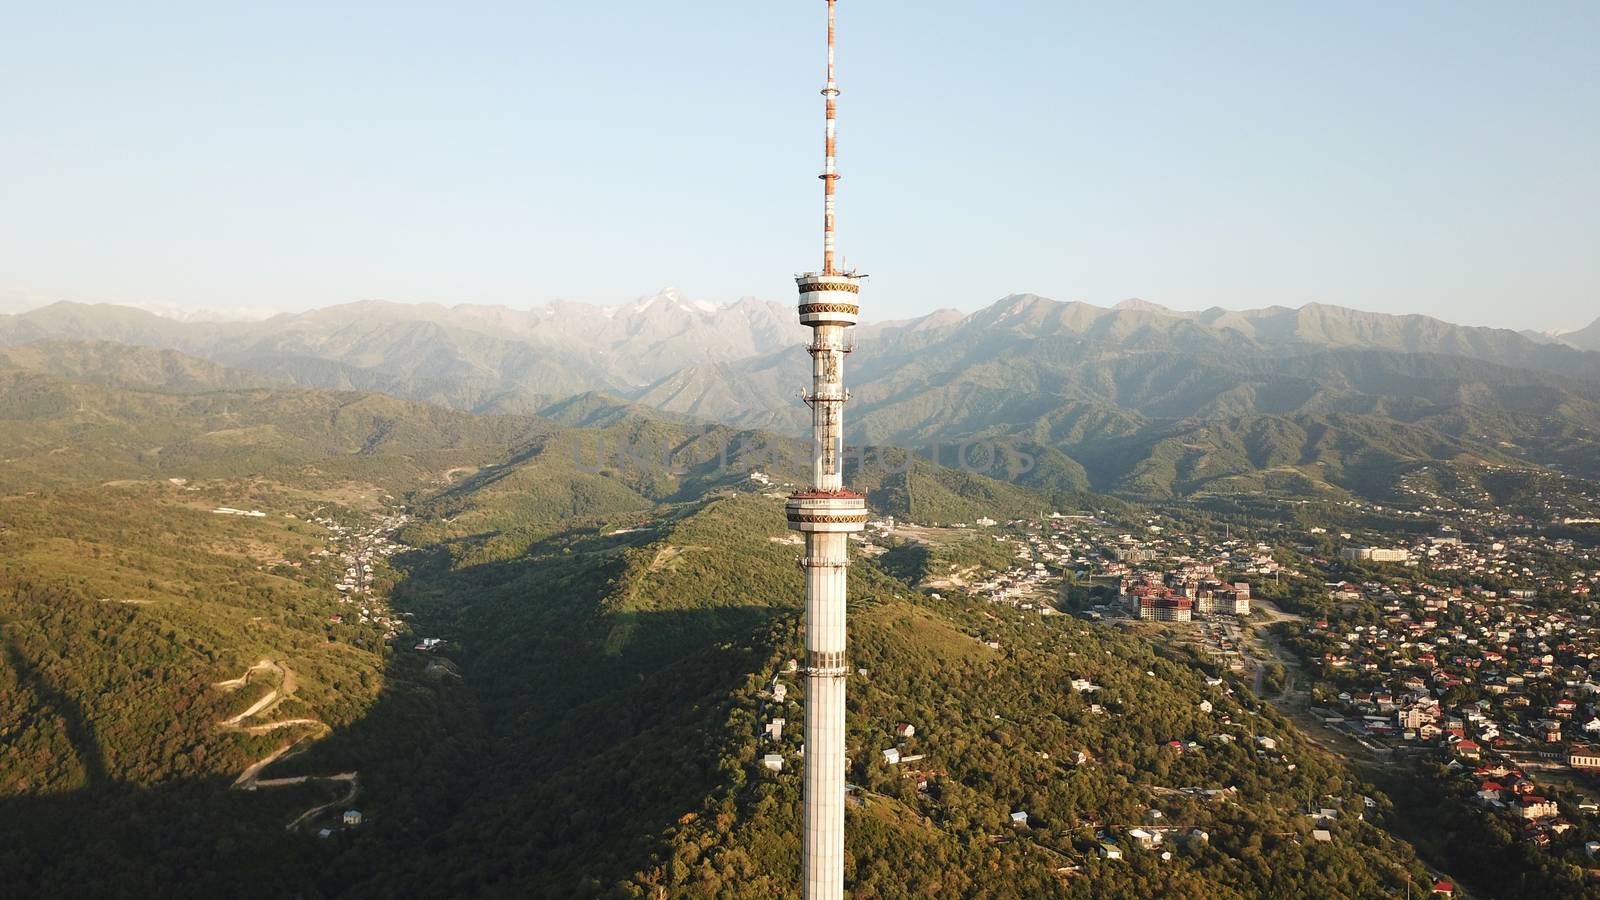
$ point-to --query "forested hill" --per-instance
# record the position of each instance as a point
(56, 430)
(624, 680)
(130, 366)
(1150, 421)
(187, 671)
(589, 454)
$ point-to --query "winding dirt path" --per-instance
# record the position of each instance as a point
(285, 689)
(233, 684)
(348, 798)
(271, 699)
(250, 779)
(274, 726)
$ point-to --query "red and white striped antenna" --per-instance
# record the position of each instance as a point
(830, 172)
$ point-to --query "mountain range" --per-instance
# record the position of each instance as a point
(1136, 399)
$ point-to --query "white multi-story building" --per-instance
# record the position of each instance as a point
(1375, 554)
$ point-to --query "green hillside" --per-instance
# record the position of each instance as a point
(623, 684)
(624, 463)
(54, 431)
(129, 366)
(590, 724)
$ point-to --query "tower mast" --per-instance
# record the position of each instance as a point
(827, 514)
(830, 171)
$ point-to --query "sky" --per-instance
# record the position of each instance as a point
(1426, 157)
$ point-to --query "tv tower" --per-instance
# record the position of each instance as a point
(827, 514)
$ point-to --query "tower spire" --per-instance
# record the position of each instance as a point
(830, 171)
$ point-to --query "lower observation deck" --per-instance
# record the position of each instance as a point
(827, 512)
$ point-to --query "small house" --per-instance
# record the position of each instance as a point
(1146, 840)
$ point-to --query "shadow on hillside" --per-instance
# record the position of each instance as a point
(71, 714)
(549, 762)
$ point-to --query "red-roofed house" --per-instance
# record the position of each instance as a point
(1535, 807)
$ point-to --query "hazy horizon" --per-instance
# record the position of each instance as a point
(1432, 159)
(13, 303)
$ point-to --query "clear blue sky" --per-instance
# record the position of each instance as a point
(1405, 157)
